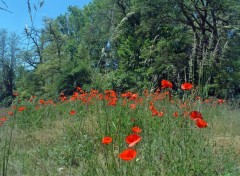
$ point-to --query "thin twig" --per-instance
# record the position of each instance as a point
(5, 10)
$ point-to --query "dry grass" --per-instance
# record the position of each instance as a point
(44, 136)
(227, 142)
(226, 133)
(3, 111)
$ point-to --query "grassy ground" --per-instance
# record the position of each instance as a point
(3, 111)
(48, 139)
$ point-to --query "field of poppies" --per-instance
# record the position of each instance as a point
(166, 132)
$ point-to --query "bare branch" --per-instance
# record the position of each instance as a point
(4, 3)
(6, 10)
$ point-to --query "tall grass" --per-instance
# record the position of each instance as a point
(205, 62)
(46, 139)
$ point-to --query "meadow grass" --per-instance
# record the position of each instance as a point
(65, 138)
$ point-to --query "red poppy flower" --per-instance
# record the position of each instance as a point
(10, 113)
(186, 86)
(166, 84)
(72, 112)
(220, 101)
(154, 112)
(126, 95)
(21, 108)
(136, 129)
(3, 119)
(100, 96)
(133, 106)
(175, 114)
(78, 88)
(160, 114)
(200, 123)
(133, 96)
(132, 139)
(128, 154)
(63, 98)
(112, 102)
(106, 140)
(195, 114)
(151, 107)
(110, 93)
(41, 101)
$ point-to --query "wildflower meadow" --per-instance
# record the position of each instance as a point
(167, 132)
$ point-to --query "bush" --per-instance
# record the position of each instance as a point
(6, 102)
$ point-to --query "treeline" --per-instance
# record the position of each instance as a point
(132, 45)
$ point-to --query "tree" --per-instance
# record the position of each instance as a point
(149, 46)
(206, 21)
(9, 50)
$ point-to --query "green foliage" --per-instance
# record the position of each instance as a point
(148, 41)
(228, 77)
(7, 101)
(29, 84)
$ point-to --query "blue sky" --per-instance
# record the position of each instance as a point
(16, 21)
